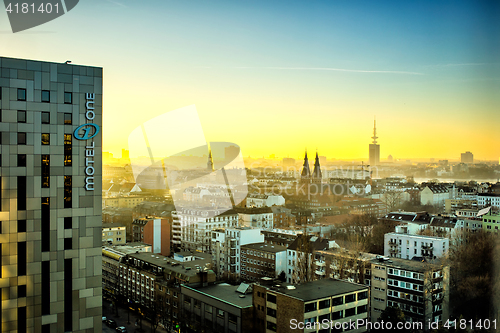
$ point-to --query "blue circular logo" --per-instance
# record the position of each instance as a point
(86, 128)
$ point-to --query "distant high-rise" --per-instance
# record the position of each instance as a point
(374, 147)
(51, 201)
(467, 157)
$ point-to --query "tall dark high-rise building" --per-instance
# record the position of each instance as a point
(50, 212)
(374, 151)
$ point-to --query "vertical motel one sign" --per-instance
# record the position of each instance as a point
(89, 131)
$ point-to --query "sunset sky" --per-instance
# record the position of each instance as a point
(276, 77)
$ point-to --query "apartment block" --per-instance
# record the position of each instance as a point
(226, 249)
(419, 289)
(221, 308)
(262, 260)
(316, 306)
(113, 233)
(407, 246)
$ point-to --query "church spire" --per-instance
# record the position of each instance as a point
(317, 169)
(305, 170)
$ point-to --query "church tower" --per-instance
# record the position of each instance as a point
(316, 176)
(305, 177)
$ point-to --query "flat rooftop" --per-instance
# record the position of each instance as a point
(225, 293)
(319, 289)
(265, 247)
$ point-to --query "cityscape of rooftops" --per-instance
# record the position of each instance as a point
(249, 166)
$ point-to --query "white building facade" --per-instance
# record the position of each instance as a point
(226, 248)
(407, 246)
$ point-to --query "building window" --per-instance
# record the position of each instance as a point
(21, 291)
(45, 117)
(68, 222)
(350, 312)
(21, 116)
(338, 300)
(21, 226)
(45, 96)
(45, 224)
(68, 119)
(21, 193)
(21, 94)
(45, 139)
(271, 298)
(68, 155)
(311, 307)
(362, 295)
(21, 138)
(68, 98)
(67, 192)
(21, 160)
(45, 171)
(324, 304)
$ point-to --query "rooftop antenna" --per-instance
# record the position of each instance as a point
(68, 62)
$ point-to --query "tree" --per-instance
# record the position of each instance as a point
(392, 315)
(304, 270)
(473, 280)
(392, 200)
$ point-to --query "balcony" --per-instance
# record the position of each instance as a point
(320, 272)
(393, 250)
(320, 263)
(427, 247)
(392, 243)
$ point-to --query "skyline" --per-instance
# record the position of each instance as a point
(277, 78)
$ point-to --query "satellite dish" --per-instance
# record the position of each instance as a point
(368, 188)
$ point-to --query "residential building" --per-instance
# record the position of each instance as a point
(256, 217)
(420, 289)
(113, 233)
(407, 246)
(282, 217)
(111, 257)
(300, 257)
(343, 264)
(491, 221)
(152, 281)
(435, 194)
(301, 308)
(488, 199)
(226, 249)
(192, 227)
(283, 237)
(261, 259)
(264, 200)
(50, 241)
(221, 308)
(410, 222)
(154, 231)
(123, 201)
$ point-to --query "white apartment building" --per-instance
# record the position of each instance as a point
(256, 218)
(406, 246)
(488, 199)
(264, 200)
(226, 248)
(192, 228)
